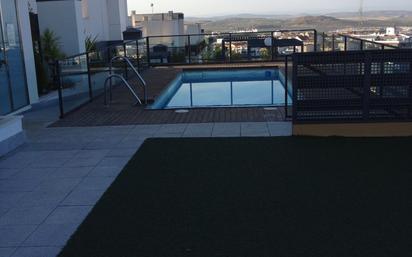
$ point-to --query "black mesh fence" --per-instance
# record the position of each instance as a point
(353, 86)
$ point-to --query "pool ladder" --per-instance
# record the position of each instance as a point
(124, 81)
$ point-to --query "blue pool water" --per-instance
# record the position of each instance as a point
(225, 88)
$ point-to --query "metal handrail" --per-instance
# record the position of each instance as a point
(109, 78)
(127, 60)
(367, 41)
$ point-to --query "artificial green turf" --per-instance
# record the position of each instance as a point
(261, 197)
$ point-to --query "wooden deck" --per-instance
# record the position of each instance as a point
(122, 112)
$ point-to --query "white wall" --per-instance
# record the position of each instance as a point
(27, 45)
(113, 14)
(60, 17)
(94, 24)
(123, 18)
(164, 28)
(81, 35)
(107, 19)
(194, 29)
(161, 24)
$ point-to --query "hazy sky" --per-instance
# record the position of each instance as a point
(223, 7)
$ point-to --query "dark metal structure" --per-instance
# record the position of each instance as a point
(353, 86)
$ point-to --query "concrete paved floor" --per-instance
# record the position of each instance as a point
(48, 186)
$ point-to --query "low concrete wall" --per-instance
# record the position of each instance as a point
(11, 134)
(391, 129)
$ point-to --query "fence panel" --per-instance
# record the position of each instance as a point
(73, 82)
(356, 86)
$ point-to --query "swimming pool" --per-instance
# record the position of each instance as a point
(225, 88)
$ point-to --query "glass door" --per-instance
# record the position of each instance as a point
(13, 87)
(5, 93)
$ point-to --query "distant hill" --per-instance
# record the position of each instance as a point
(321, 23)
(232, 24)
(376, 15)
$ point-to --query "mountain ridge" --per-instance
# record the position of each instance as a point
(320, 22)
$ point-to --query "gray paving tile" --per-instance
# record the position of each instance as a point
(124, 152)
(24, 156)
(226, 130)
(130, 142)
(19, 185)
(7, 173)
(105, 142)
(199, 130)
(37, 252)
(171, 130)
(26, 216)
(93, 154)
(68, 215)
(169, 135)
(83, 197)
(47, 155)
(280, 128)
(13, 236)
(33, 173)
(52, 146)
(56, 185)
(63, 172)
(144, 131)
(14, 163)
(254, 129)
(112, 130)
(95, 183)
(40, 198)
(79, 162)
(9, 200)
(105, 172)
(51, 163)
(3, 210)
(51, 235)
(7, 251)
(118, 162)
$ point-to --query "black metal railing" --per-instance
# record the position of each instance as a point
(352, 86)
(263, 46)
(341, 42)
(80, 78)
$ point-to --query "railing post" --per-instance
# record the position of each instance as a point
(230, 47)
(361, 45)
(346, 43)
(109, 53)
(323, 41)
(89, 77)
(60, 87)
(224, 50)
(148, 50)
(137, 55)
(333, 42)
(272, 47)
(125, 66)
(366, 86)
(286, 85)
(315, 40)
(410, 90)
(294, 89)
(189, 48)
